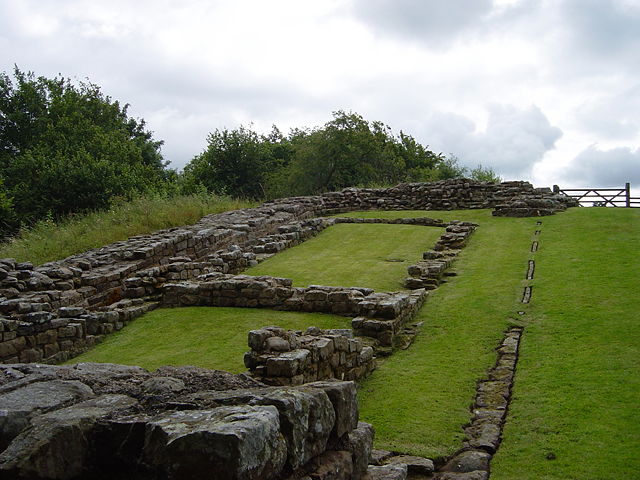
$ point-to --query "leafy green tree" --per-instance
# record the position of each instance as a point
(7, 215)
(350, 151)
(68, 148)
(485, 174)
(346, 151)
(234, 163)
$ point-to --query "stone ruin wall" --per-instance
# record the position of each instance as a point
(182, 422)
(56, 310)
(286, 357)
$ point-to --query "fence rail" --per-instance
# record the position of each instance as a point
(601, 197)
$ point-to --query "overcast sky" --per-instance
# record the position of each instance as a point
(541, 90)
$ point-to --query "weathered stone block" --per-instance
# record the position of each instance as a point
(224, 443)
(360, 446)
(20, 405)
(288, 364)
(387, 472)
(345, 405)
(58, 443)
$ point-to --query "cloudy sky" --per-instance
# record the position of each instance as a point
(542, 90)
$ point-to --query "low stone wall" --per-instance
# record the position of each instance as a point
(454, 194)
(104, 421)
(428, 273)
(54, 338)
(33, 299)
(220, 290)
(385, 330)
(286, 357)
(380, 316)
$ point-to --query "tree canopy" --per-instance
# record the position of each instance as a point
(347, 151)
(65, 147)
(68, 148)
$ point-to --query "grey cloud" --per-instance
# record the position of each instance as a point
(604, 168)
(514, 140)
(604, 27)
(433, 21)
(613, 116)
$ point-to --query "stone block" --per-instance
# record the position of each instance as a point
(387, 472)
(58, 445)
(468, 461)
(48, 336)
(226, 443)
(288, 364)
(360, 446)
(21, 404)
(345, 404)
(50, 349)
(332, 465)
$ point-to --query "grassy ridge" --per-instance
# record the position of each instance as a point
(48, 241)
(204, 337)
(577, 387)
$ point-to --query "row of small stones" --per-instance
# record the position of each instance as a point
(483, 432)
(489, 410)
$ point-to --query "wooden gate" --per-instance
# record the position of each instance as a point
(601, 197)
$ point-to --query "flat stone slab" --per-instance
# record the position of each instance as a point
(418, 465)
(397, 471)
(468, 461)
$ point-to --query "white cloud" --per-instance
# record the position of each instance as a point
(612, 115)
(191, 66)
(435, 23)
(513, 141)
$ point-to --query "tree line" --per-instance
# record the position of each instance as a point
(68, 148)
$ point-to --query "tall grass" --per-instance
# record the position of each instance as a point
(48, 240)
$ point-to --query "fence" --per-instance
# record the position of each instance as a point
(601, 197)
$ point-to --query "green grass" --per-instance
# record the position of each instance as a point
(349, 255)
(419, 399)
(577, 390)
(577, 387)
(202, 336)
(47, 241)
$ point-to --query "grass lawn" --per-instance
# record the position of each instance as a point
(577, 386)
(202, 336)
(353, 255)
(577, 390)
(419, 399)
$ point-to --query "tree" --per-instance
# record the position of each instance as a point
(350, 151)
(234, 163)
(485, 174)
(68, 148)
(7, 215)
(346, 151)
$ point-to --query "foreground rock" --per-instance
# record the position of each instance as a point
(102, 421)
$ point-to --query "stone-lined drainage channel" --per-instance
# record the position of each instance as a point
(491, 405)
(483, 434)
